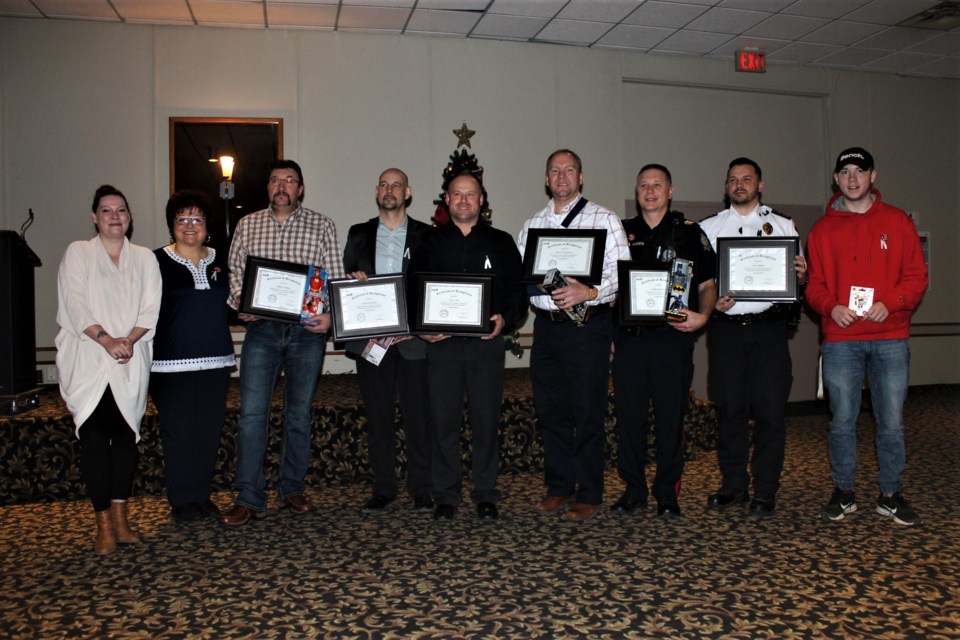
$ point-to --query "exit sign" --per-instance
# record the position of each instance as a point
(751, 61)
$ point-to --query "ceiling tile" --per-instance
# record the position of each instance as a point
(731, 21)
(842, 32)
(850, 57)
(889, 11)
(824, 8)
(395, 4)
(945, 68)
(729, 49)
(947, 44)
(221, 13)
(803, 52)
(573, 31)
(21, 8)
(85, 9)
(896, 38)
(605, 11)
(509, 26)
(301, 16)
(538, 9)
(756, 5)
(786, 27)
(453, 22)
(901, 61)
(153, 11)
(634, 37)
(692, 42)
(454, 5)
(664, 14)
(372, 18)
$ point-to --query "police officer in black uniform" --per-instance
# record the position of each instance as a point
(656, 362)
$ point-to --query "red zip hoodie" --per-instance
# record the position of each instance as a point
(879, 249)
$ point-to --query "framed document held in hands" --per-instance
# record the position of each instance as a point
(373, 309)
(644, 292)
(273, 289)
(454, 304)
(758, 269)
(572, 252)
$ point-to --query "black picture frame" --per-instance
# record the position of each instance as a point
(652, 309)
(534, 272)
(343, 289)
(425, 308)
(267, 272)
(732, 250)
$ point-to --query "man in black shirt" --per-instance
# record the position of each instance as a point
(657, 361)
(457, 364)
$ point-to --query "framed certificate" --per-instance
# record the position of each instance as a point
(757, 268)
(572, 252)
(372, 309)
(453, 304)
(273, 289)
(644, 292)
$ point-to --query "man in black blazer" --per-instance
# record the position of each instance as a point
(383, 245)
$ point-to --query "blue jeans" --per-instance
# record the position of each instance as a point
(268, 346)
(887, 365)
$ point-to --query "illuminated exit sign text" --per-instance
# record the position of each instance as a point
(751, 61)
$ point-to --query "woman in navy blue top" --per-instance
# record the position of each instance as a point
(192, 357)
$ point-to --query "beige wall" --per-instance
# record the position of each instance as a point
(83, 103)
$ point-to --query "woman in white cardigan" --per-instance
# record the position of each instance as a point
(108, 301)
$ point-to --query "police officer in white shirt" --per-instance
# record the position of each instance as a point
(749, 359)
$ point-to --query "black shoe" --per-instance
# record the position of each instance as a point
(187, 513)
(444, 513)
(377, 504)
(627, 504)
(762, 507)
(423, 503)
(725, 499)
(487, 512)
(668, 510)
(208, 508)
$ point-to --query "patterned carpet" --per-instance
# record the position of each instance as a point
(340, 574)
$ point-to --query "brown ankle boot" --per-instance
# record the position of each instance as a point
(105, 540)
(125, 535)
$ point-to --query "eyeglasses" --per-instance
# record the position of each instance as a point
(289, 181)
(197, 221)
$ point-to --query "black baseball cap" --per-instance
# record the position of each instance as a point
(854, 155)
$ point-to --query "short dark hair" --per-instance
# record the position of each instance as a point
(571, 153)
(658, 167)
(102, 192)
(188, 199)
(290, 164)
(736, 162)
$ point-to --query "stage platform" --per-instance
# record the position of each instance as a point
(39, 454)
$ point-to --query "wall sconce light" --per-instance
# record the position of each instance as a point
(226, 167)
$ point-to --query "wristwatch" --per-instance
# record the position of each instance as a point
(593, 294)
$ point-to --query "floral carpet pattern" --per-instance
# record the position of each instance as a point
(338, 573)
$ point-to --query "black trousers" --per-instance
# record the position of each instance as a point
(474, 366)
(652, 364)
(191, 407)
(108, 454)
(750, 378)
(570, 371)
(380, 386)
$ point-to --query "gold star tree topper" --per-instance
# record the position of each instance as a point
(463, 135)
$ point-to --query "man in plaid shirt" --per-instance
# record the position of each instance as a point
(283, 231)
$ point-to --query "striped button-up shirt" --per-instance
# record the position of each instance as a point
(305, 237)
(593, 216)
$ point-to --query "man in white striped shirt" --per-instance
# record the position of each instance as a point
(569, 363)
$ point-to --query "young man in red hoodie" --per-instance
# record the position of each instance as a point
(867, 275)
